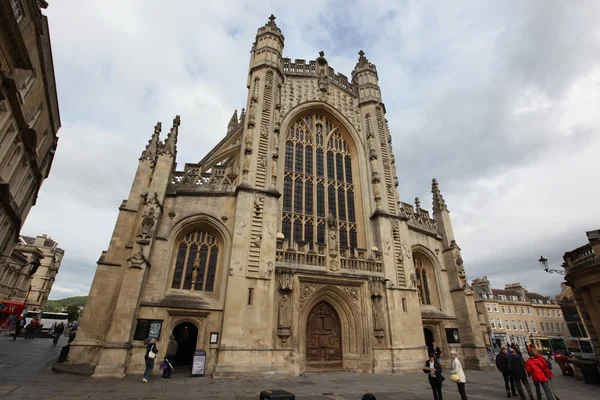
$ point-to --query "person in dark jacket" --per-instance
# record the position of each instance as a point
(170, 357)
(434, 371)
(19, 327)
(149, 358)
(504, 367)
(517, 370)
(58, 331)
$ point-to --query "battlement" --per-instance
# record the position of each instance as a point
(302, 68)
(418, 217)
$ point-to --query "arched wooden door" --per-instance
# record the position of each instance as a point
(323, 339)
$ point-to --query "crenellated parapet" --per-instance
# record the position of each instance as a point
(301, 68)
(418, 218)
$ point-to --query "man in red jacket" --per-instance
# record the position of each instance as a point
(537, 367)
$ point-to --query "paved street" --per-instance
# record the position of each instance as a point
(25, 367)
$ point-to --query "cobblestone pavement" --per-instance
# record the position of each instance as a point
(25, 371)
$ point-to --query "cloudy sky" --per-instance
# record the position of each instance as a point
(497, 100)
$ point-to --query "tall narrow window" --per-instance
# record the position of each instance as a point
(196, 262)
(318, 181)
(422, 282)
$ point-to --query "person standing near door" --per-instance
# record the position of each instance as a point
(170, 357)
(149, 357)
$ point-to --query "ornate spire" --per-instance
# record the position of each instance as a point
(271, 21)
(233, 123)
(151, 149)
(438, 200)
(417, 203)
(170, 145)
(361, 58)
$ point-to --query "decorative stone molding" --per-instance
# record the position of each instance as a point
(306, 291)
(138, 260)
(285, 279)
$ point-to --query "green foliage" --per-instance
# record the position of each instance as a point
(73, 311)
(63, 304)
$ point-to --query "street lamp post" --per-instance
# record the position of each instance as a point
(544, 263)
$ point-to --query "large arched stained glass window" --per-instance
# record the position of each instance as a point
(196, 262)
(317, 181)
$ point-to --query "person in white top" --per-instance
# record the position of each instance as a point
(457, 369)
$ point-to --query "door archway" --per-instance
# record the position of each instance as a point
(429, 337)
(323, 339)
(186, 334)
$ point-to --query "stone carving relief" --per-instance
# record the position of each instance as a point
(306, 291)
(146, 229)
(377, 290)
(259, 199)
(291, 96)
(353, 293)
(138, 260)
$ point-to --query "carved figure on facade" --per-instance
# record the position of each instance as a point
(377, 290)
(138, 260)
(258, 201)
(323, 81)
(261, 161)
(146, 229)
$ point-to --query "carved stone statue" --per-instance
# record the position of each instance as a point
(332, 240)
(323, 81)
(378, 321)
(285, 310)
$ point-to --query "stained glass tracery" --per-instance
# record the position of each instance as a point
(196, 261)
(317, 181)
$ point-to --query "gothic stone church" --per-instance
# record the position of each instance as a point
(285, 249)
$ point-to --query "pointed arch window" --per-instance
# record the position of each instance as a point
(318, 181)
(422, 282)
(196, 262)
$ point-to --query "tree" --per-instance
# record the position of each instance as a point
(73, 311)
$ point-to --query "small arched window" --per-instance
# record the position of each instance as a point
(196, 262)
(422, 282)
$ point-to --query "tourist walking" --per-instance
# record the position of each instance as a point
(149, 357)
(519, 375)
(458, 370)
(434, 371)
(19, 326)
(550, 378)
(538, 369)
(502, 363)
(29, 330)
(58, 331)
(170, 357)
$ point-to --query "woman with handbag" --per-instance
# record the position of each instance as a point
(434, 371)
(458, 375)
(149, 357)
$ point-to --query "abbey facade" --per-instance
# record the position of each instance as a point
(286, 249)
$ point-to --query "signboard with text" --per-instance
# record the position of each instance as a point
(199, 363)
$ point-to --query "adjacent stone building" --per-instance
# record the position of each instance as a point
(566, 300)
(29, 117)
(582, 268)
(44, 277)
(516, 315)
(286, 248)
(18, 271)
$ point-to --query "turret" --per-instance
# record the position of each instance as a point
(365, 77)
(267, 49)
